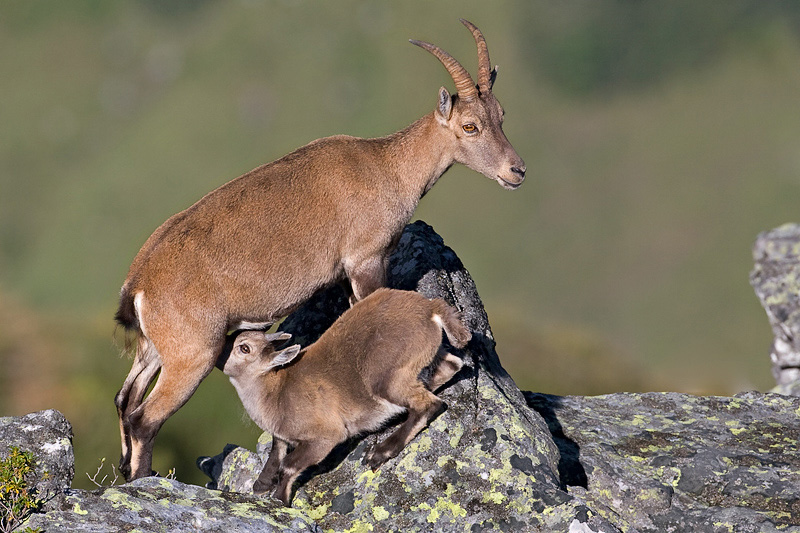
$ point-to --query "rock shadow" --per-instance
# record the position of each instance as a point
(570, 469)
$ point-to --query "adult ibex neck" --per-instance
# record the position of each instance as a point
(418, 155)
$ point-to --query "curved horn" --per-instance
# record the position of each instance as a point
(464, 84)
(484, 65)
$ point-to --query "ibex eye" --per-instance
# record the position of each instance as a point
(245, 349)
(470, 128)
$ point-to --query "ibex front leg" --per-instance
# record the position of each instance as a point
(366, 277)
(268, 478)
(306, 454)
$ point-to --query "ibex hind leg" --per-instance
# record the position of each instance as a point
(448, 366)
(423, 407)
(146, 365)
(181, 374)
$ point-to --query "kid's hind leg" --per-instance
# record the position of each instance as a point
(423, 407)
(448, 366)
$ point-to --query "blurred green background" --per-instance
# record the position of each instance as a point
(660, 138)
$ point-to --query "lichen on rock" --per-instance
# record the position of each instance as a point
(674, 462)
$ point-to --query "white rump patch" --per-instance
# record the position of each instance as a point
(438, 320)
(138, 303)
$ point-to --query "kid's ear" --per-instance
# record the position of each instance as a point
(444, 107)
(285, 356)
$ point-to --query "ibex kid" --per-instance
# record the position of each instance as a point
(256, 248)
(361, 372)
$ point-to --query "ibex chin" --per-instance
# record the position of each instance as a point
(361, 372)
(251, 251)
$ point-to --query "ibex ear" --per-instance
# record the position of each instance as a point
(445, 107)
(285, 356)
(277, 337)
(492, 76)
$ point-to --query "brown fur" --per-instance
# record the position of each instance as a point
(360, 373)
(254, 249)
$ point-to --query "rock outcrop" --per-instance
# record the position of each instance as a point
(497, 459)
(776, 280)
(488, 462)
(673, 462)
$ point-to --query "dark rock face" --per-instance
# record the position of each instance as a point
(496, 460)
(776, 280)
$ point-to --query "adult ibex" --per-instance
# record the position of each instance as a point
(254, 249)
(362, 371)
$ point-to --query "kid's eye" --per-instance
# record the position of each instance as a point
(470, 128)
(245, 349)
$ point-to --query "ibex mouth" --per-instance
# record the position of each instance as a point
(507, 184)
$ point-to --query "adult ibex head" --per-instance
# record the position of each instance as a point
(475, 117)
(257, 247)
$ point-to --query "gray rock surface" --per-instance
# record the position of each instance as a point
(164, 505)
(665, 462)
(49, 436)
(497, 459)
(776, 280)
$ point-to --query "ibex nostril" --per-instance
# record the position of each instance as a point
(518, 171)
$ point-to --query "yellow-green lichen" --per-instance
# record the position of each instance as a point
(380, 513)
(445, 507)
(423, 444)
(183, 502)
(458, 432)
(435, 512)
(367, 475)
(359, 526)
(494, 497)
(314, 513)
(77, 509)
(120, 499)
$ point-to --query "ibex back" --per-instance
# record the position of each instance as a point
(256, 248)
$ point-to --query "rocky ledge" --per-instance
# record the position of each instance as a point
(776, 280)
(496, 460)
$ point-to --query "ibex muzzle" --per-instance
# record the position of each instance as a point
(251, 251)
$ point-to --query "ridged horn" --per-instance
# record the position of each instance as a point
(464, 84)
(484, 65)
